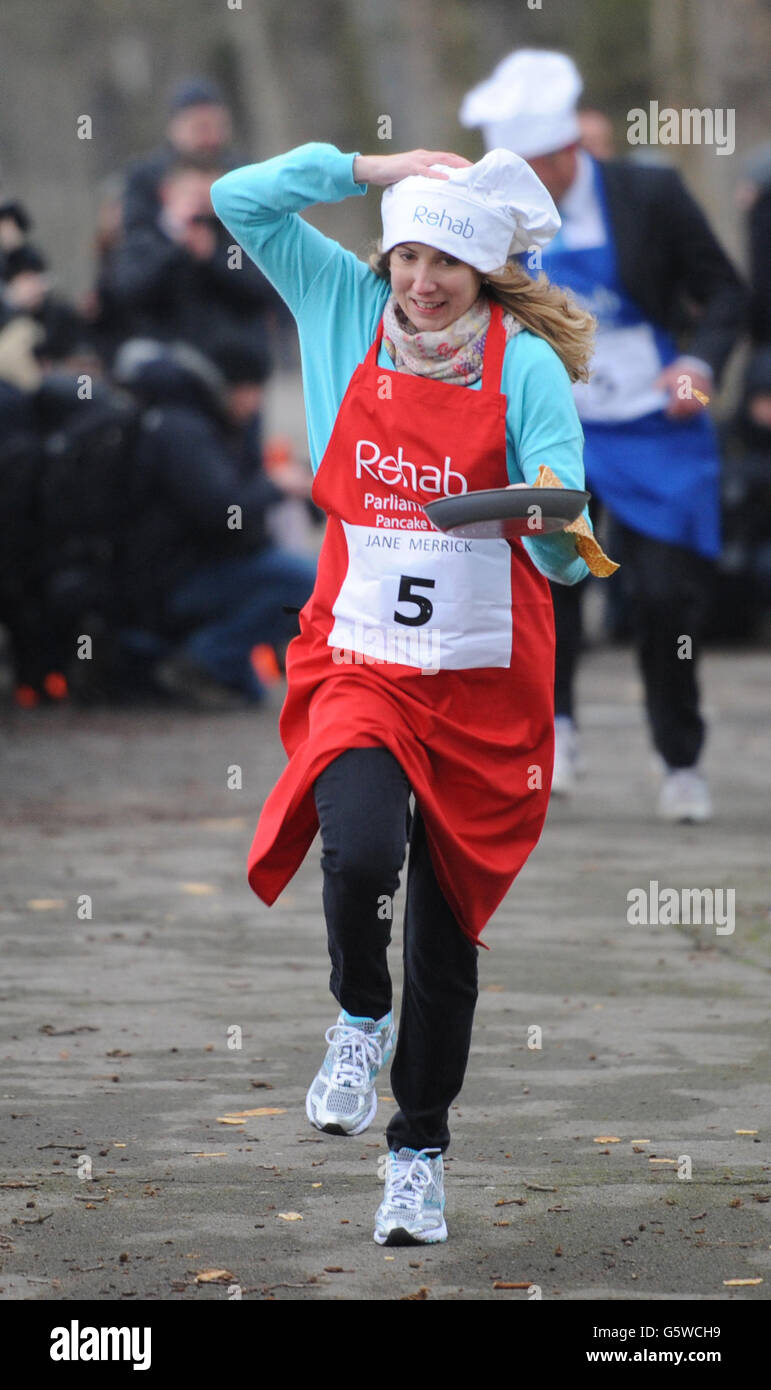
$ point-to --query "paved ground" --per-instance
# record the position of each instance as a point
(114, 1033)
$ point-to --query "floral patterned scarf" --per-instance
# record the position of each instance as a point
(454, 353)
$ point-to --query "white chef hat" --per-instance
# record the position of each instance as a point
(528, 104)
(482, 213)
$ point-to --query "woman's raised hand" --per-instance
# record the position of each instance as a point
(383, 169)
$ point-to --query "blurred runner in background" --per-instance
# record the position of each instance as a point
(635, 249)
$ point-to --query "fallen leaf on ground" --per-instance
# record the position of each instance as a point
(290, 1216)
(63, 1032)
(507, 1284)
(607, 1139)
(213, 1276)
(261, 1110)
(740, 1283)
(412, 1297)
(213, 1155)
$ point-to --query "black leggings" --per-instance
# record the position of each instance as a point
(669, 588)
(362, 799)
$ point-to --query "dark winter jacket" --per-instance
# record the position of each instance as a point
(190, 469)
(156, 289)
(670, 261)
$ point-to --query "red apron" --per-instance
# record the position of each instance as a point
(437, 648)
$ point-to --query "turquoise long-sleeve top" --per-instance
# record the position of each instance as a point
(337, 301)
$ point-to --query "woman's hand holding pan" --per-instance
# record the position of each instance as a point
(588, 547)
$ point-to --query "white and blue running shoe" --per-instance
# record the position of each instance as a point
(412, 1210)
(341, 1098)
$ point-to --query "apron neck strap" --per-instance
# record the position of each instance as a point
(495, 346)
(372, 355)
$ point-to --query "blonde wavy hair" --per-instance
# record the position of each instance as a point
(547, 310)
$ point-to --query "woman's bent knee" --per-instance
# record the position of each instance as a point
(361, 799)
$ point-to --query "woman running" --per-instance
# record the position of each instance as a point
(425, 663)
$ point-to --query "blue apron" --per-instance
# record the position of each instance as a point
(656, 475)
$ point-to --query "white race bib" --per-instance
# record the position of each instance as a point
(421, 598)
(620, 387)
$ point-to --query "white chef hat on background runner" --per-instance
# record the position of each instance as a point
(482, 213)
(528, 104)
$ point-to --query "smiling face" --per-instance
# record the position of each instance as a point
(431, 287)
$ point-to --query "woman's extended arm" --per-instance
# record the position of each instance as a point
(258, 204)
